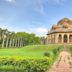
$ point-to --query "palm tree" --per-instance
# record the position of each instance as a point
(4, 33)
(0, 37)
(16, 42)
(8, 39)
(20, 42)
(12, 39)
(13, 42)
(3, 43)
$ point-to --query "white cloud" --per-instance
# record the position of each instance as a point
(41, 30)
(11, 1)
(4, 26)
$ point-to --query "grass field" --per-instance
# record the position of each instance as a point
(32, 50)
(33, 58)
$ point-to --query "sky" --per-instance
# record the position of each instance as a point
(33, 16)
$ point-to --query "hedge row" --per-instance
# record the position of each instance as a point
(24, 64)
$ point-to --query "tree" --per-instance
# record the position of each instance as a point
(19, 39)
(4, 33)
(43, 40)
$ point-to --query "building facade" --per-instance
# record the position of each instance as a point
(61, 32)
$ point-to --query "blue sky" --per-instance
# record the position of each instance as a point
(36, 16)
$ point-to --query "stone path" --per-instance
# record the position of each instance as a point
(63, 64)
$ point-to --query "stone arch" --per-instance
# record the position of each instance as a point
(60, 38)
(65, 39)
(70, 38)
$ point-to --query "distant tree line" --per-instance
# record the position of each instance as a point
(11, 39)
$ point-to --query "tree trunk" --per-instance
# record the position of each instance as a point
(3, 43)
(10, 44)
(22, 43)
(13, 43)
(18, 42)
(7, 43)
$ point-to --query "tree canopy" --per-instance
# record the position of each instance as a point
(19, 39)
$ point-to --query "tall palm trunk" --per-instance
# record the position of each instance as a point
(3, 42)
(16, 43)
(20, 42)
(13, 43)
(7, 41)
(10, 43)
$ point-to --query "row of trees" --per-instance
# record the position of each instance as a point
(10, 39)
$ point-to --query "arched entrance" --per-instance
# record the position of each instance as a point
(60, 39)
(65, 38)
(70, 38)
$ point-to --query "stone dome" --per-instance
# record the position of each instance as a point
(54, 27)
(65, 22)
(66, 25)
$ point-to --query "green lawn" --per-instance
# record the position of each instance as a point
(33, 58)
(32, 50)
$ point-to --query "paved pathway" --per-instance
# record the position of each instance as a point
(63, 64)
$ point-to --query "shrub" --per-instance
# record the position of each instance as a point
(47, 54)
(24, 64)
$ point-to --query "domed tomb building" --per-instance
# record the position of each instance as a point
(61, 32)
